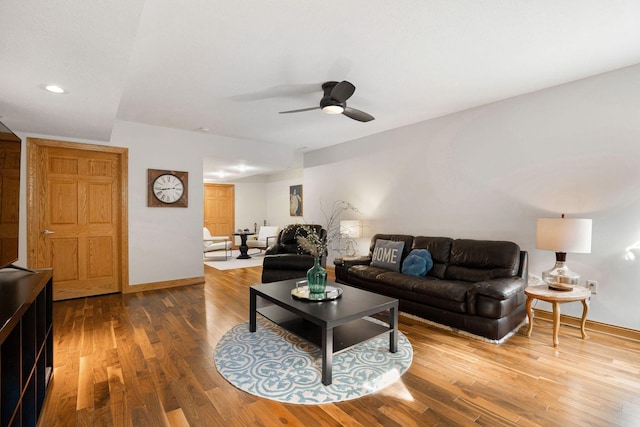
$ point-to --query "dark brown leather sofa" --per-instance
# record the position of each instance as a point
(285, 259)
(475, 285)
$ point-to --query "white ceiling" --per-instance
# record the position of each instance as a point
(231, 66)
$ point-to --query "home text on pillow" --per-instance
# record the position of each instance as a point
(387, 254)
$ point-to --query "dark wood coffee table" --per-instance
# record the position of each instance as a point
(333, 326)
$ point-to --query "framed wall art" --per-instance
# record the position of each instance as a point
(295, 200)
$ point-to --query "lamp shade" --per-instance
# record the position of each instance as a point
(351, 228)
(571, 235)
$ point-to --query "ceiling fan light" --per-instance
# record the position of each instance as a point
(333, 109)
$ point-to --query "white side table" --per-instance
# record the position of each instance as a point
(543, 293)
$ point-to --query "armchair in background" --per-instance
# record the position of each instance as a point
(286, 259)
(267, 236)
(215, 244)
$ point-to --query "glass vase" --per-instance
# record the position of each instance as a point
(317, 278)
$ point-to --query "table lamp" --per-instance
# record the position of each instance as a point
(563, 235)
(351, 229)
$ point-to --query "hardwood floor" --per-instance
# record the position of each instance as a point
(145, 359)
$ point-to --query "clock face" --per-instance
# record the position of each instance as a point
(168, 188)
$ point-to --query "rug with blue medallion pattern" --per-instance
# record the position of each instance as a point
(275, 364)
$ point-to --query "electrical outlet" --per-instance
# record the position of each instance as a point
(592, 285)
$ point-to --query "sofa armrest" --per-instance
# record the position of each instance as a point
(349, 261)
(216, 239)
(342, 266)
(502, 288)
(272, 240)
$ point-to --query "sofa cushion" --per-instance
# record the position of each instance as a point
(439, 248)
(288, 237)
(448, 295)
(476, 260)
(365, 272)
(387, 254)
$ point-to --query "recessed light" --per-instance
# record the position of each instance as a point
(242, 168)
(54, 89)
(202, 129)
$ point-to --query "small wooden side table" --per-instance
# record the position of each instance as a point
(543, 293)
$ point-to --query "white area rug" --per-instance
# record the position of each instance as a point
(277, 365)
(232, 262)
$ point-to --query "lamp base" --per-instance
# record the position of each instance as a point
(560, 277)
(561, 287)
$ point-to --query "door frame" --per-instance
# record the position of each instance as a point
(34, 145)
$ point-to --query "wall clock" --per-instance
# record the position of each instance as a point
(167, 188)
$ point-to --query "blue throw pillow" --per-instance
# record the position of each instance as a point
(426, 255)
(414, 265)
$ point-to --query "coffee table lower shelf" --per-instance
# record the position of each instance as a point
(333, 326)
(344, 336)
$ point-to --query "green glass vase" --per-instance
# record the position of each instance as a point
(317, 278)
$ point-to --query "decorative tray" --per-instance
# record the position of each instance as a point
(330, 293)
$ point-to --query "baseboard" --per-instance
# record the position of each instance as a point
(618, 331)
(163, 285)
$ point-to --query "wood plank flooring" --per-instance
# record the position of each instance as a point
(145, 359)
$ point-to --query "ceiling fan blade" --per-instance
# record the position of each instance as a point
(300, 110)
(280, 91)
(342, 91)
(358, 115)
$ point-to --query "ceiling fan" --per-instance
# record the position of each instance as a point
(334, 101)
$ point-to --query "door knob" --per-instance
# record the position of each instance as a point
(45, 232)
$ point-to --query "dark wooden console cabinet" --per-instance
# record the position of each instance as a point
(26, 344)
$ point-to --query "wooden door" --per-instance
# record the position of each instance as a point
(9, 197)
(76, 212)
(219, 209)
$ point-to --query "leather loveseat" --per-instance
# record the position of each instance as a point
(286, 259)
(474, 285)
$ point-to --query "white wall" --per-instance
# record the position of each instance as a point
(164, 243)
(250, 203)
(278, 197)
(153, 230)
(265, 198)
(488, 173)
